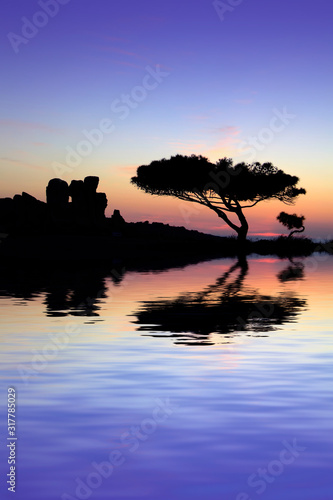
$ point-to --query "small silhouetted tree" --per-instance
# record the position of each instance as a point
(293, 222)
(223, 187)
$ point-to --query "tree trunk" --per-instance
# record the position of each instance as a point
(242, 233)
(244, 227)
(296, 231)
(240, 230)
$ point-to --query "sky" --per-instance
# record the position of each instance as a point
(102, 87)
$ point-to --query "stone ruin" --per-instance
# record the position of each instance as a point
(73, 208)
(87, 208)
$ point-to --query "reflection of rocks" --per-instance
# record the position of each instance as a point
(225, 308)
(65, 292)
(78, 296)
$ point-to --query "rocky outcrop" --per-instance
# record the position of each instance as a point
(74, 208)
(117, 222)
(23, 213)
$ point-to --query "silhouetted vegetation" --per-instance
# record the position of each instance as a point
(223, 187)
(72, 227)
(292, 222)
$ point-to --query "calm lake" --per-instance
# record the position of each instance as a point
(214, 381)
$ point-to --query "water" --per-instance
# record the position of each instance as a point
(209, 382)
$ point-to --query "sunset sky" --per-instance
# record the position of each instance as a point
(101, 87)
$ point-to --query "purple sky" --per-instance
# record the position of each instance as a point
(252, 84)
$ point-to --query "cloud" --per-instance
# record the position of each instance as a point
(130, 58)
(120, 51)
(243, 101)
(126, 63)
(128, 170)
(28, 125)
(267, 234)
(114, 39)
(20, 163)
(227, 146)
(230, 130)
(187, 147)
(153, 19)
(198, 118)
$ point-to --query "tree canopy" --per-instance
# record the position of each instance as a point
(292, 221)
(223, 187)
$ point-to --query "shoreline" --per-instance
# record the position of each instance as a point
(154, 251)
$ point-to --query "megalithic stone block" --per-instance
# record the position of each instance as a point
(76, 191)
(57, 193)
(91, 184)
(117, 218)
(117, 221)
(101, 204)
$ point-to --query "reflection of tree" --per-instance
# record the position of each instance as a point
(292, 273)
(226, 307)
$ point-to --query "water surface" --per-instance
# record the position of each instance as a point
(213, 381)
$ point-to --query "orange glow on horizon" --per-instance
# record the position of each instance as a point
(136, 205)
(267, 234)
